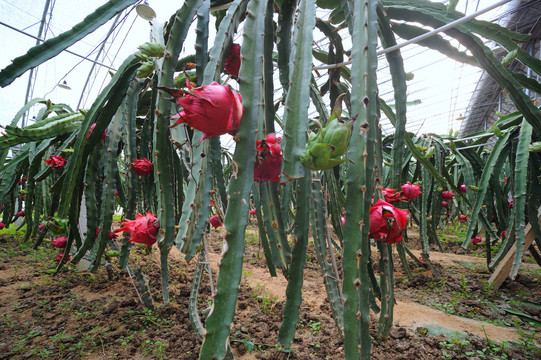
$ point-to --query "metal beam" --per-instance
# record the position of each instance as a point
(68, 51)
(423, 36)
(34, 71)
(97, 57)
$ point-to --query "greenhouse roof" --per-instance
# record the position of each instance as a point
(439, 97)
(488, 98)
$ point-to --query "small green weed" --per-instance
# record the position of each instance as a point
(264, 298)
(157, 349)
(314, 326)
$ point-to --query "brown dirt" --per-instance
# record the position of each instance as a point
(81, 315)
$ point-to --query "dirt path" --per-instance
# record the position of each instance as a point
(48, 316)
(446, 258)
(406, 314)
(413, 315)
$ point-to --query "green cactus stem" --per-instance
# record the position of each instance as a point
(423, 225)
(296, 271)
(163, 149)
(251, 73)
(54, 126)
(279, 257)
(202, 37)
(110, 170)
(202, 198)
(193, 310)
(144, 289)
(36, 162)
(268, 68)
(488, 170)
(7, 180)
(14, 121)
(323, 247)
(519, 194)
(130, 153)
(356, 283)
(217, 170)
(283, 43)
(92, 182)
(298, 95)
(101, 112)
(275, 221)
(263, 234)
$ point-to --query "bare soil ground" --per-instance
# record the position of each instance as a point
(81, 315)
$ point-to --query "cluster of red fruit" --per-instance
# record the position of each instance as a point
(386, 221)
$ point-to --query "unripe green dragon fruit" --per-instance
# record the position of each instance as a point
(337, 134)
(57, 225)
(67, 152)
(152, 49)
(142, 57)
(496, 130)
(509, 57)
(112, 253)
(324, 149)
(535, 147)
(146, 69)
(180, 80)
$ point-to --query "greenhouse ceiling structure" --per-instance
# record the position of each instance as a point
(85, 67)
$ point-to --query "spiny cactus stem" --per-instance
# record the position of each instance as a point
(177, 34)
(219, 321)
(211, 281)
(520, 186)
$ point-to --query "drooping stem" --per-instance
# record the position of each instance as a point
(519, 193)
(162, 156)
